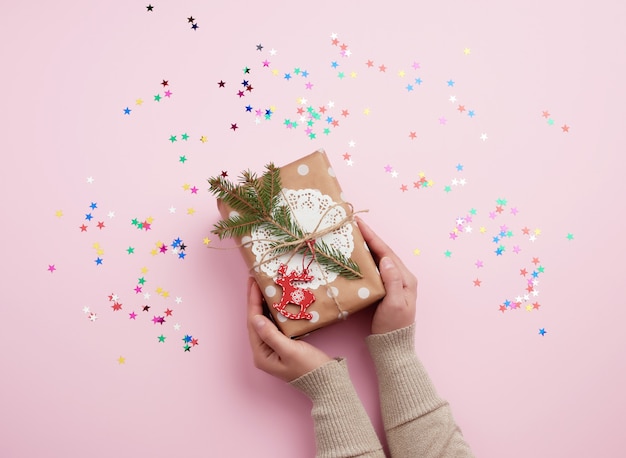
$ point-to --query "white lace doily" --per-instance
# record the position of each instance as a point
(308, 206)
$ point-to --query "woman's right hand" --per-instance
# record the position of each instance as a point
(397, 309)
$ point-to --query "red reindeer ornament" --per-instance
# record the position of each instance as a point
(293, 294)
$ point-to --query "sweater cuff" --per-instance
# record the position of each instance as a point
(342, 427)
(393, 344)
(405, 387)
(319, 383)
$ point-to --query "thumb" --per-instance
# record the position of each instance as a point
(269, 334)
(392, 279)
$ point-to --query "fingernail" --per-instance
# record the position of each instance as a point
(259, 322)
(386, 263)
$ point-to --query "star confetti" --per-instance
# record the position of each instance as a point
(288, 92)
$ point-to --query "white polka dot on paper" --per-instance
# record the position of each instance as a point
(332, 291)
(280, 317)
(233, 214)
(270, 291)
(343, 315)
(315, 317)
(363, 293)
(246, 239)
(303, 169)
(331, 172)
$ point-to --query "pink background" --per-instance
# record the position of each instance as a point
(70, 68)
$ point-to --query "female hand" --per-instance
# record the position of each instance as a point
(397, 309)
(272, 351)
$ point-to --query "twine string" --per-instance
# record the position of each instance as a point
(309, 240)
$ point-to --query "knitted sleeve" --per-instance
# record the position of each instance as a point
(417, 421)
(342, 427)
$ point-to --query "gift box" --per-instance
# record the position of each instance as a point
(304, 286)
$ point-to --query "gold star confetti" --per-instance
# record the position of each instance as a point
(483, 229)
(144, 270)
(401, 73)
(138, 102)
(417, 251)
(366, 111)
(121, 360)
(467, 51)
(206, 241)
(186, 186)
(190, 211)
(203, 139)
(58, 213)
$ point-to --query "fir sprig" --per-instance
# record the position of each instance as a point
(256, 200)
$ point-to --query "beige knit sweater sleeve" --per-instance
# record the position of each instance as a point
(342, 427)
(418, 423)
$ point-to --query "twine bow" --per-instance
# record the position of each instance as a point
(309, 241)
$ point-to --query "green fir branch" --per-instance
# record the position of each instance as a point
(333, 261)
(270, 187)
(236, 197)
(256, 201)
(237, 226)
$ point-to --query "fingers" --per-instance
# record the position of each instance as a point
(263, 354)
(255, 307)
(381, 250)
(270, 335)
(255, 299)
(393, 281)
(260, 329)
(397, 309)
(378, 246)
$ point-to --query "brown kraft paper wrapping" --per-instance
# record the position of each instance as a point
(314, 172)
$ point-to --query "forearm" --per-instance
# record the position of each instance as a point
(342, 427)
(417, 421)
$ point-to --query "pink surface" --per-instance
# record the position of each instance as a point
(70, 68)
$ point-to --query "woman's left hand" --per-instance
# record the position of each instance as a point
(272, 351)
